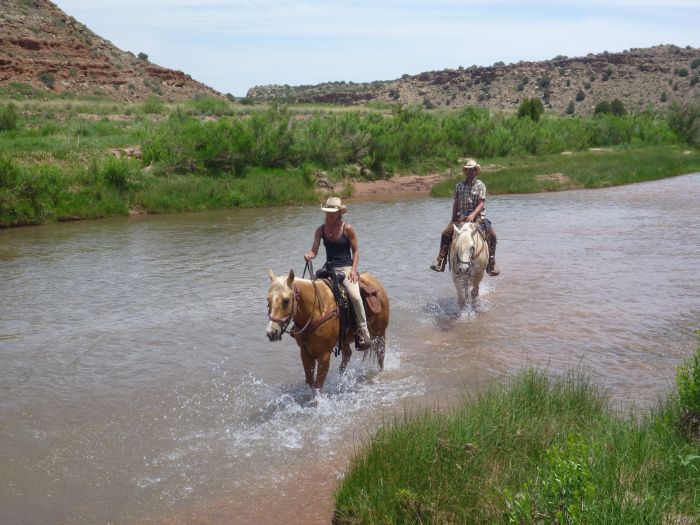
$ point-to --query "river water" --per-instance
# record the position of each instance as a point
(137, 384)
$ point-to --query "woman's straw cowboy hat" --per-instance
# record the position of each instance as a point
(333, 204)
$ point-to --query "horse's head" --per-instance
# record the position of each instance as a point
(280, 304)
(463, 248)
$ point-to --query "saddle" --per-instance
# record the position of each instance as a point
(369, 294)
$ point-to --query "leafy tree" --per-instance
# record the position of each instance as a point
(532, 108)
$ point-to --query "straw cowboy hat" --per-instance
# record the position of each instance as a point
(333, 204)
(471, 164)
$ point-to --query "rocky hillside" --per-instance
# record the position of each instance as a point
(43, 47)
(655, 76)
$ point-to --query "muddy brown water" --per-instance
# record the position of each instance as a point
(137, 383)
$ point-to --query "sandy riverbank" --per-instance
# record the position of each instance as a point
(399, 186)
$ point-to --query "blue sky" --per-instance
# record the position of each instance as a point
(232, 45)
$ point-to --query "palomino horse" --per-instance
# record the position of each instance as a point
(469, 255)
(312, 309)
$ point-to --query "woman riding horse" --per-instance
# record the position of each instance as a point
(311, 306)
(343, 255)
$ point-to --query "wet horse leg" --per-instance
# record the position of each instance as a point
(381, 350)
(347, 353)
(461, 295)
(323, 363)
(475, 293)
(309, 364)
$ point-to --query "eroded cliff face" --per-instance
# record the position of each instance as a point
(43, 47)
(655, 76)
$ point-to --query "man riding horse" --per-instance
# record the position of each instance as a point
(468, 206)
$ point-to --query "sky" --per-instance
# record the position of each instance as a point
(233, 45)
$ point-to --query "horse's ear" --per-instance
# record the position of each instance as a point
(271, 274)
(455, 227)
(290, 278)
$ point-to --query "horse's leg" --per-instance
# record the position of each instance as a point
(309, 364)
(324, 363)
(381, 350)
(347, 353)
(475, 293)
(461, 296)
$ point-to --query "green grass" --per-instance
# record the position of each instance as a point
(534, 450)
(586, 169)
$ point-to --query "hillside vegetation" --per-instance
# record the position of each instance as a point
(640, 77)
(64, 160)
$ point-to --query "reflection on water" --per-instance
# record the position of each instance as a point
(137, 379)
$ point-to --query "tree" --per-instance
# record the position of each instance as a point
(142, 56)
(532, 108)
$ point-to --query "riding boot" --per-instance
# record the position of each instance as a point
(364, 340)
(492, 268)
(441, 260)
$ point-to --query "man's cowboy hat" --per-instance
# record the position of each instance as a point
(333, 204)
(471, 164)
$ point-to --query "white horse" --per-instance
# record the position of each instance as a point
(469, 255)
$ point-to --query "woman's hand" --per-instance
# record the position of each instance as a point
(309, 255)
(353, 276)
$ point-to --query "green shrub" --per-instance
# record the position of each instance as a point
(9, 118)
(152, 105)
(117, 174)
(562, 490)
(695, 63)
(48, 79)
(532, 108)
(571, 108)
(688, 383)
(580, 95)
(602, 107)
(617, 107)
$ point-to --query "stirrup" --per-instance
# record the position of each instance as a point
(492, 269)
(439, 264)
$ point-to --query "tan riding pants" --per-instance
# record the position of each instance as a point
(353, 290)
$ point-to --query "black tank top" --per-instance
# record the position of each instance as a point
(338, 251)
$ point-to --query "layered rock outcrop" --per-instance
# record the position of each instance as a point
(43, 47)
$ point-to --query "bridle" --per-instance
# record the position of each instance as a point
(285, 321)
(476, 253)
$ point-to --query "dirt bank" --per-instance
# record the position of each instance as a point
(399, 186)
